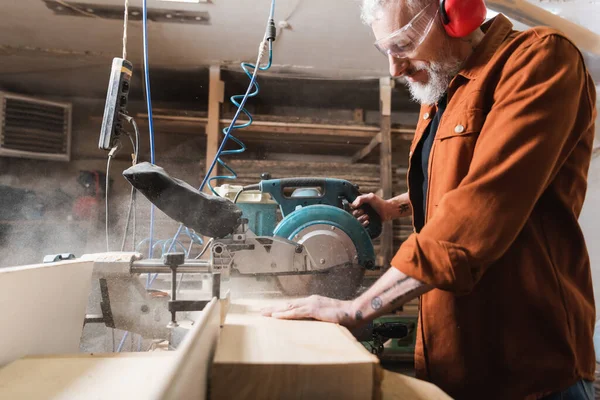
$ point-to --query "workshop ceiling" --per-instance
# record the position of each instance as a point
(325, 39)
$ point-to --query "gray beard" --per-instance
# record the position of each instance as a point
(440, 75)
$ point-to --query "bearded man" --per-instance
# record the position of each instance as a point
(497, 178)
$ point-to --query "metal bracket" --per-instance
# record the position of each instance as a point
(173, 261)
(107, 316)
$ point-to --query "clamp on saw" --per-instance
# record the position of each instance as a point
(318, 247)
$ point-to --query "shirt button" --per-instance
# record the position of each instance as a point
(459, 129)
(426, 116)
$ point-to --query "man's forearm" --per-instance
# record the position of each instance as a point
(390, 291)
(400, 206)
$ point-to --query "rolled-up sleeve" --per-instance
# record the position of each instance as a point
(528, 133)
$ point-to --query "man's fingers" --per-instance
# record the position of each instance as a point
(364, 220)
(302, 312)
(358, 212)
(269, 311)
(364, 199)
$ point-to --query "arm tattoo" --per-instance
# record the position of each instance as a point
(376, 303)
(403, 208)
(358, 316)
(406, 295)
(398, 282)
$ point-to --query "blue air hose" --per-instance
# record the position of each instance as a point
(150, 119)
(239, 101)
(269, 37)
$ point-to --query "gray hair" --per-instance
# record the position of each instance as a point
(371, 10)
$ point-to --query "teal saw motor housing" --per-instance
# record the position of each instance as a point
(317, 214)
(312, 202)
(294, 193)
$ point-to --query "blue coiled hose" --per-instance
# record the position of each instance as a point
(252, 91)
(239, 101)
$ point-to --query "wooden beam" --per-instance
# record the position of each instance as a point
(156, 375)
(188, 378)
(284, 127)
(359, 155)
(359, 116)
(268, 358)
(385, 165)
(216, 91)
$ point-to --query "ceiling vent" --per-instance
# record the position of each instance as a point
(34, 128)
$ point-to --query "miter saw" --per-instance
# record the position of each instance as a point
(318, 247)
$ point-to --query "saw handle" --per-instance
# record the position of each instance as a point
(374, 228)
(333, 192)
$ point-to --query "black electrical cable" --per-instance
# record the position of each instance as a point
(245, 189)
(133, 196)
(131, 206)
(237, 196)
(205, 248)
(111, 154)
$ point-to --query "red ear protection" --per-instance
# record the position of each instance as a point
(462, 17)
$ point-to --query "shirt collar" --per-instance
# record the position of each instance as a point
(496, 30)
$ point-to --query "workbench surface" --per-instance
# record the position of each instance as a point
(256, 358)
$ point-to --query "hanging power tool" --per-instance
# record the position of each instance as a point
(318, 247)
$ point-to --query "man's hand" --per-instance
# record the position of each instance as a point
(388, 210)
(314, 307)
(390, 291)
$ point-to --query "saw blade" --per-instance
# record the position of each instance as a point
(340, 283)
(328, 247)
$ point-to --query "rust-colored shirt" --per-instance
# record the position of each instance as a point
(512, 315)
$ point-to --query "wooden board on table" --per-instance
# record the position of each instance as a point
(260, 357)
(173, 375)
(43, 308)
(70, 377)
(188, 379)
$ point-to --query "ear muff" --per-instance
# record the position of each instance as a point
(462, 17)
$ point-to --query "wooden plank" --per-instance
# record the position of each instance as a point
(120, 376)
(161, 375)
(189, 124)
(359, 116)
(43, 308)
(189, 378)
(385, 166)
(265, 358)
(368, 149)
(216, 91)
(273, 359)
